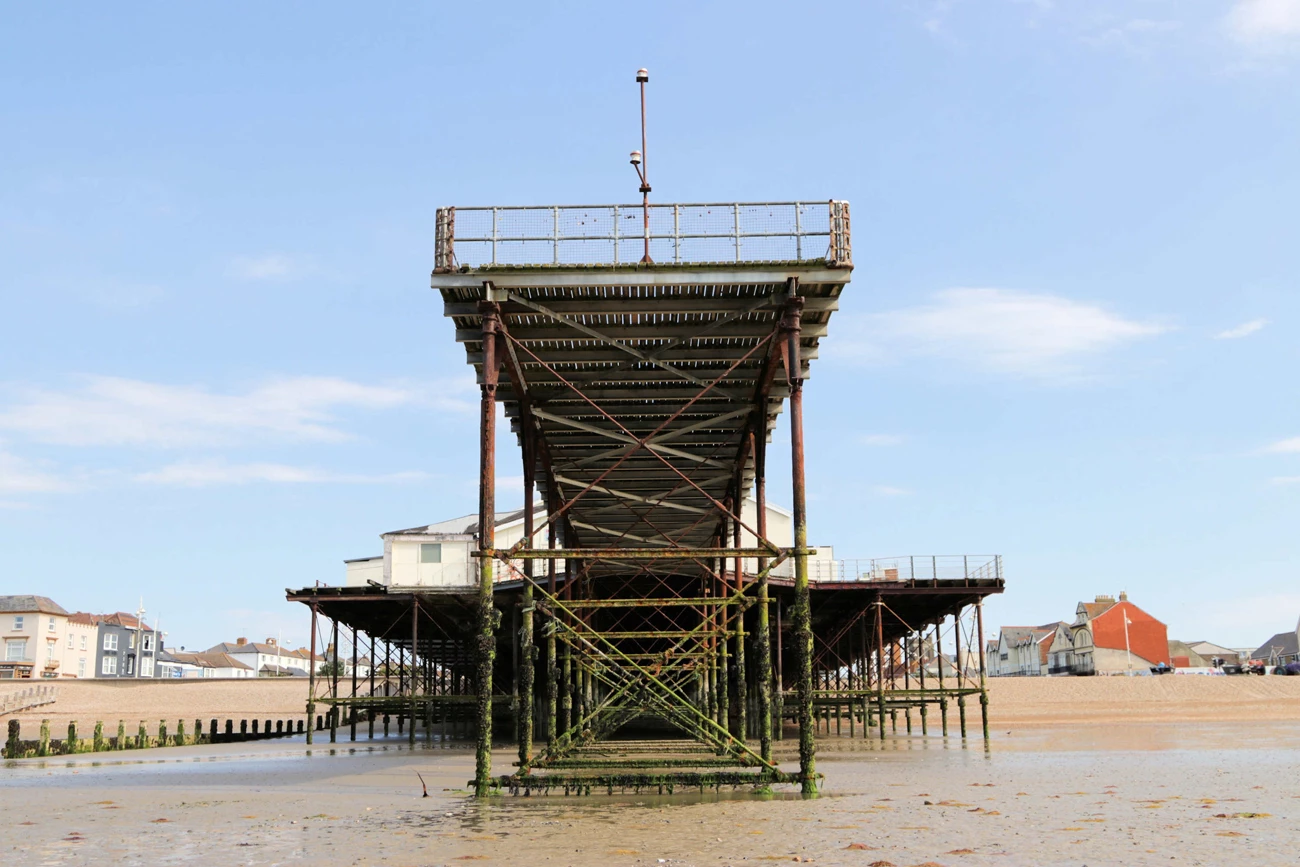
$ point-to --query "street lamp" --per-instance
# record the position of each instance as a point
(639, 163)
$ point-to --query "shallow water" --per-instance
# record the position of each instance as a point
(1130, 794)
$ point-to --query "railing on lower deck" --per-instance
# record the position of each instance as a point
(927, 567)
(559, 235)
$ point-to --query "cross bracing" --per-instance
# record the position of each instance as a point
(643, 398)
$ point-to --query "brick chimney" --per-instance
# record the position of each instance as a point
(1123, 596)
(240, 642)
(271, 641)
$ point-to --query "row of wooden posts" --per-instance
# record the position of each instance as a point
(17, 748)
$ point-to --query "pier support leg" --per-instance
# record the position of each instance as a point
(485, 651)
(311, 679)
(790, 327)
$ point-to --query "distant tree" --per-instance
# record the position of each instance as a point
(331, 667)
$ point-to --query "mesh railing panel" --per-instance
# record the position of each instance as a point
(615, 234)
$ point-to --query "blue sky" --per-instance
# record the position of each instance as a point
(1071, 335)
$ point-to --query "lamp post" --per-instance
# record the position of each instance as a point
(1127, 650)
(639, 163)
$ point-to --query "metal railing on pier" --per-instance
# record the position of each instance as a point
(558, 235)
(927, 567)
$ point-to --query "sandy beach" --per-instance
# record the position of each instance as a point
(1218, 798)
(1079, 772)
(1014, 702)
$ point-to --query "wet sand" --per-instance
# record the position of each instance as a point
(1133, 794)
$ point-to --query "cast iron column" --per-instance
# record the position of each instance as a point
(803, 637)
(311, 680)
(485, 652)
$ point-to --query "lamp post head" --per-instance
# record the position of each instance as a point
(643, 75)
(636, 158)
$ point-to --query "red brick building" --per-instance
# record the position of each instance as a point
(1100, 645)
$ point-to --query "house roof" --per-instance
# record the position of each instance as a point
(252, 647)
(82, 618)
(23, 604)
(120, 618)
(1096, 609)
(282, 669)
(1284, 643)
(466, 525)
(222, 660)
(1209, 648)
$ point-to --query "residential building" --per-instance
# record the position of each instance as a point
(1281, 649)
(1022, 651)
(265, 659)
(125, 647)
(1211, 651)
(1115, 637)
(441, 554)
(79, 647)
(34, 632)
(173, 664)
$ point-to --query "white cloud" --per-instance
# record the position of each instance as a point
(128, 412)
(21, 476)
(1021, 333)
(1264, 23)
(1283, 447)
(1130, 34)
(881, 440)
(889, 491)
(196, 474)
(1245, 329)
(271, 266)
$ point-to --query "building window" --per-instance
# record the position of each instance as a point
(18, 622)
(110, 641)
(16, 650)
(81, 667)
(130, 641)
(51, 629)
(70, 641)
(148, 641)
(431, 552)
(49, 649)
(110, 665)
(128, 666)
(146, 667)
(83, 642)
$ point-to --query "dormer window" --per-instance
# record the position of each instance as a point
(431, 552)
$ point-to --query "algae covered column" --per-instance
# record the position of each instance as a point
(762, 638)
(526, 652)
(485, 646)
(803, 637)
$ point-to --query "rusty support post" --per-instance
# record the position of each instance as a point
(720, 644)
(742, 693)
(920, 649)
(762, 635)
(352, 710)
(552, 668)
(311, 679)
(780, 679)
(410, 680)
(371, 674)
(906, 652)
(334, 683)
(984, 684)
(525, 637)
(485, 652)
(961, 673)
(880, 665)
(791, 324)
(938, 654)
